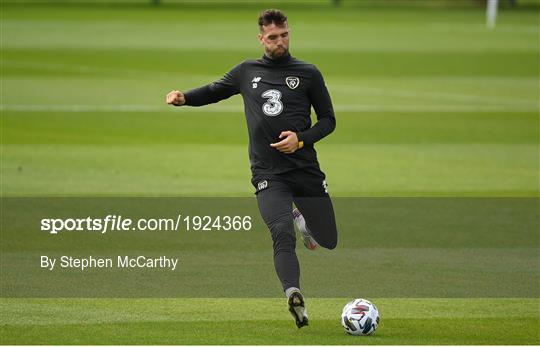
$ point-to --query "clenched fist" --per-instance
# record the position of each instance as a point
(288, 145)
(176, 98)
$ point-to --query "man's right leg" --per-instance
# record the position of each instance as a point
(275, 204)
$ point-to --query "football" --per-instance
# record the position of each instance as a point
(360, 317)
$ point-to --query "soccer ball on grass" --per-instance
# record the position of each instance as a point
(360, 317)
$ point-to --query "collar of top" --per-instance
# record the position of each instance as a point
(277, 61)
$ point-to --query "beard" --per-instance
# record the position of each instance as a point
(278, 52)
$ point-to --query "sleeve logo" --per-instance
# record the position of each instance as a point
(292, 82)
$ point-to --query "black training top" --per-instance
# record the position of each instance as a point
(278, 94)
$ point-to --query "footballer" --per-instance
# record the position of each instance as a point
(279, 91)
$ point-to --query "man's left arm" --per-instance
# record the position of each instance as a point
(326, 121)
(322, 104)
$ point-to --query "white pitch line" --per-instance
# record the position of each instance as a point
(434, 95)
(237, 109)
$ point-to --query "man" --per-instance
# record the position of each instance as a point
(278, 92)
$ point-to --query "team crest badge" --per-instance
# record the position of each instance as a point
(262, 185)
(292, 82)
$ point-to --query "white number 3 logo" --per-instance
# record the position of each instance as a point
(273, 106)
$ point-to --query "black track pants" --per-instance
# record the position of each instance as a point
(307, 189)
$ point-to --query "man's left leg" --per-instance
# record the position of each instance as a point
(320, 222)
(310, 195)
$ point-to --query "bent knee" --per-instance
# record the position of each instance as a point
(282, 231)
(329, 244)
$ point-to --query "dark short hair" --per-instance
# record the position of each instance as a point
(268, 17)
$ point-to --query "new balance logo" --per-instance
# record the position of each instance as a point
(255, 80)
(325, 186)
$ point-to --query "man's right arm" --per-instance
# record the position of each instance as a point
(222, 89)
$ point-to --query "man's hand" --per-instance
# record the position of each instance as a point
(176, 98)
(289, 144)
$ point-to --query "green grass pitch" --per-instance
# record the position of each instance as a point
(264, 321)
(429, 103)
